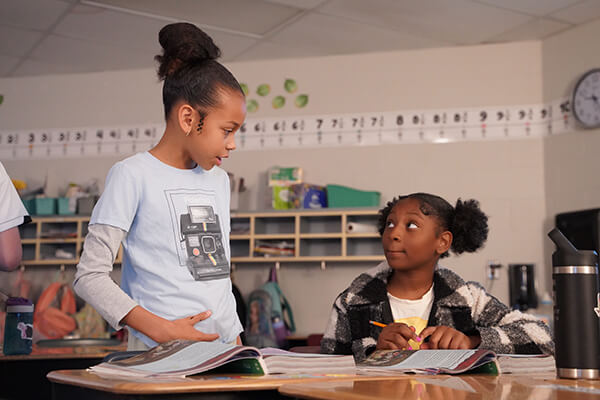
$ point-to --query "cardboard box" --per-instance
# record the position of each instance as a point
(85, 205)
(284, 176)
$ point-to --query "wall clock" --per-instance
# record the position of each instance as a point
(586, 99)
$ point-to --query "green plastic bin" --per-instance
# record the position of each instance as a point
(62, 204)
(29, 206)
(343, 196)
(45, 206)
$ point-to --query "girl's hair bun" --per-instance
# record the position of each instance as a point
(183, 44)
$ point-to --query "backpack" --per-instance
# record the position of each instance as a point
(270, 318)
(240, 308)
(55, 322)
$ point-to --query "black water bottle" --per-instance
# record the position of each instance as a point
(576, 313)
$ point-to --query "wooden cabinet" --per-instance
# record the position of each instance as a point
(54, 240)
(304, 235)
(275, 236)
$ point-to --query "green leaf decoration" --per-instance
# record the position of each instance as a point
(278, 102)
(263, 90)
(301, 100)
(244, 88)
(290, 85)
(1, 99)
(252, 106)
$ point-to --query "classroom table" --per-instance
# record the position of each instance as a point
(78, 384)
(449, 387)
(24, 376)
(74, 384)
(82, 384)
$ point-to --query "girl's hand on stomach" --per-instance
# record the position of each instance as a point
(396, 336)
(183, 328)
(444, 337)
(162, 330)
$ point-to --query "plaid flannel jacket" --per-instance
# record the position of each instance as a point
(464, 306)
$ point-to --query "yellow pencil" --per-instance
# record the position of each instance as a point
(377, 324)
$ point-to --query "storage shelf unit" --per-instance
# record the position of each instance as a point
(43, 236)
(314, 235)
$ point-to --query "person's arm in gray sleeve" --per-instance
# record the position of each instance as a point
(92, 279)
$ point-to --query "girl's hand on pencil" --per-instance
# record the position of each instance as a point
(396, 336)
(444, 337)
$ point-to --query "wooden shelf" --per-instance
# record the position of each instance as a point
(39, 245)
(275, 236)
(316, 236)
(321, 235)
(58, 240)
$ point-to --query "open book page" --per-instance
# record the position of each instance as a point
(526, 363)
(273, 351)
(179, 358)
(287, 362)
(425, 361)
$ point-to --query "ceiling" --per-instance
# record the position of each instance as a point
(41, 37)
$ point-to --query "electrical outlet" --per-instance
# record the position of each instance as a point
(493, 270)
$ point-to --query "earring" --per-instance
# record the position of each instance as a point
(200, 125)
(188, 133)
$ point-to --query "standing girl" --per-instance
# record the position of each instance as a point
(169, 207)
(409, 302)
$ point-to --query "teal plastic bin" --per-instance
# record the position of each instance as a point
(62, 205)
(343, 196)
(45, 206)
(29, 206)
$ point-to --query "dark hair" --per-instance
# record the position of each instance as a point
(466, 221)
(189, 68)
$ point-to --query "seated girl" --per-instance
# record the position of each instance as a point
(410, 302)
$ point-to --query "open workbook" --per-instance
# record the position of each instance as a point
(180, 358)
(384, 362)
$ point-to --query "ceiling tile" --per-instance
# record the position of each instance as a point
(304, 4)
(33, 68)
(269, 51)
(111, 27)
(579, 13)
(89, 56)
(32, 14)
(531, 7)
(110, 36)
(252, 16)
(17, 42)
(331, 35)
(7, 63)
(537, 28)
(231, 45)
(133, 31)
(456, 21)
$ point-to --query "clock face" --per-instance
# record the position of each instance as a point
(586, 99)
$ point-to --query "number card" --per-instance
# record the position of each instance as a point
(310, 131)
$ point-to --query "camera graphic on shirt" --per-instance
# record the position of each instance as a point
(202, 235)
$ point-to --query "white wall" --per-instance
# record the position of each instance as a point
(506, 176)
(571, 161)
